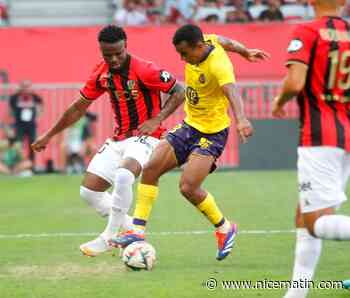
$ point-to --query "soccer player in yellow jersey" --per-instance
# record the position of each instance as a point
(201, 138)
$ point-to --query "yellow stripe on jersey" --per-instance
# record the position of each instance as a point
(206, 106)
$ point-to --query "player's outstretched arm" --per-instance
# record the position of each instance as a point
(252, 55)
(69, 117)
(292, 84)
(176, 98)
(244, 127)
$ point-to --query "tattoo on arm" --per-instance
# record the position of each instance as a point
(231, 45)
(235, 100)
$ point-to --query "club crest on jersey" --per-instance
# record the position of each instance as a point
(131, 84)
(201, 78)
(295, 45)
(192, 96)
(165, 76)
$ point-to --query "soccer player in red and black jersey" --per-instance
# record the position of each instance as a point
(134, 87)
(319, 75)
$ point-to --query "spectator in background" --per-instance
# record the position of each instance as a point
(133, 13)
(4, 17)
(11, 157)
(257, 8)
(212, 19)
(209, 9)
(25, 107)
(154, 10)
(273, 12)
(239, 15)
(180, 11)
(78, 144)
(297, 10)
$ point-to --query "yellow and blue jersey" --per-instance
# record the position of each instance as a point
(206, 105)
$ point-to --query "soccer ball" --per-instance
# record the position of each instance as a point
(139, 255)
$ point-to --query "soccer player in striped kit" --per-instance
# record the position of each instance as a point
(199, 141)
(319, 75)
(134, 87)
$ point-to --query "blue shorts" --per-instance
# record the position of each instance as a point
(187, 140)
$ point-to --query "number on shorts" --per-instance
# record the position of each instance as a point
(142, 140)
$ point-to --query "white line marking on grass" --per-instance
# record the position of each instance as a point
(57, 235)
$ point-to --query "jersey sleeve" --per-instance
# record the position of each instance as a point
(156, 78)
(92, 89)
(222, 70)
(300, 46)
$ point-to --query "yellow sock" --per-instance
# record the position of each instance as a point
(209, 208)
(146, 195)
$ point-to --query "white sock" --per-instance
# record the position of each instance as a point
(333, 227)
(307, 254)
(121, 201)
(127, 223)
(100, 201)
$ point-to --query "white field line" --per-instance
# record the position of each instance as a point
(57, 235)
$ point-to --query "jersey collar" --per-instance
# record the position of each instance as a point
(124, 66)
(209, 50)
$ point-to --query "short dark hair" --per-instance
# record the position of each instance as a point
(111, 34)
(192, 34)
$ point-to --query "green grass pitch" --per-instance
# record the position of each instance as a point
(51, 266)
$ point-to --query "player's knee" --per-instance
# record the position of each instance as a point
(310, 226)
(187, 190)
(150, 173)
(124, 176)
(89, 196)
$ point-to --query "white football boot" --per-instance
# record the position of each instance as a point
(95, 247)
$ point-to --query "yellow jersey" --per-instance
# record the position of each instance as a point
(206, 105)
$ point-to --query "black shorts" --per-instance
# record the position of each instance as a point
(187, 140)
(25, 130)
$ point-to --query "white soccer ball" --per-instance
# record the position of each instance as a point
(139, 255)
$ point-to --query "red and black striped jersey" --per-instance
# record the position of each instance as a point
(134, 92)
(324, 46)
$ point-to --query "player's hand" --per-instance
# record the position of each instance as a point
(40, 144)
(149, 126)
(277, 109)
(255, 55)
(245, 129)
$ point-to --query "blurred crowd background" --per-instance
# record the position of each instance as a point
(76, 146)
(157, 12)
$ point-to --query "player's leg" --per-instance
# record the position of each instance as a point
(31, 132)
(307, 254)
(136, 154)
(162, 160)
(322, 179)
(93, 191)
(195, 171)
(98, 179)
(333, 173)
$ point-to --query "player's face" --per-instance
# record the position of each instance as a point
(188, 53)
(114, 54)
